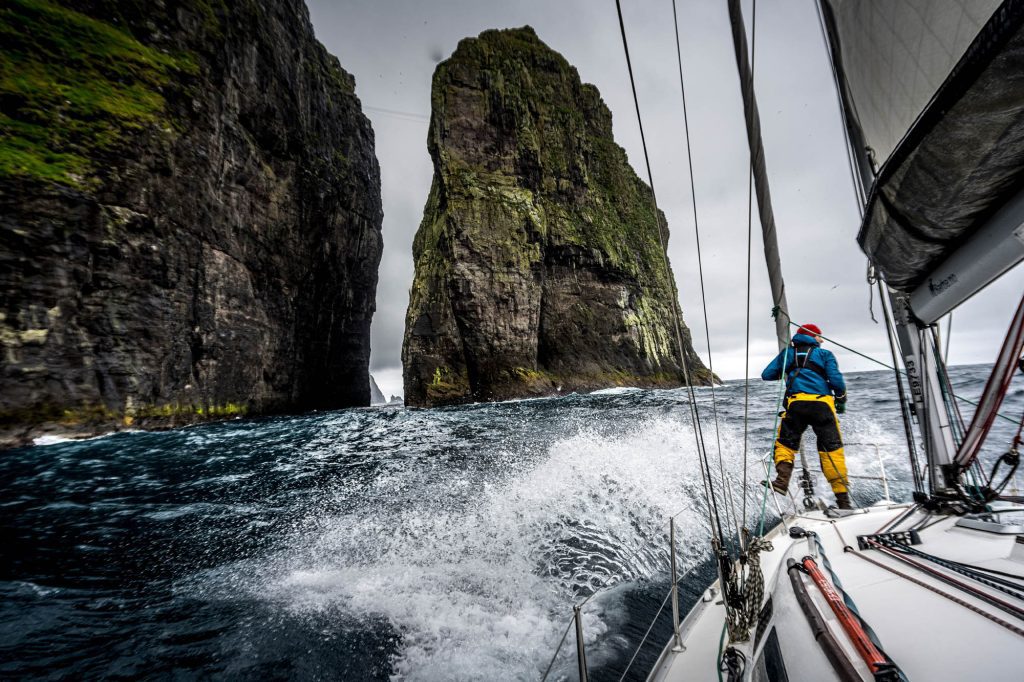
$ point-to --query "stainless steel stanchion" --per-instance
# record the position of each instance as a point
(675, 587)
(581, 654)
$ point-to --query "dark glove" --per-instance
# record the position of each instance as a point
(841, 405)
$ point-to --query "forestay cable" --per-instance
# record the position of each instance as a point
(750, 240)
(705, 467)
(700, 272)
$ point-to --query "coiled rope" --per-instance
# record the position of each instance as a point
(751, 587)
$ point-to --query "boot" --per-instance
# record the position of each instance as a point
(843, 501)
(783, 472)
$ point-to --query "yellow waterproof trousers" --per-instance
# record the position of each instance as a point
(818, 412)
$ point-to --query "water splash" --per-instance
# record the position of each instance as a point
(363, 544)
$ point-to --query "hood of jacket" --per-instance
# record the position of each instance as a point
(804, 340)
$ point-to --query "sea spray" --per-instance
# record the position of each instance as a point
(390, 543)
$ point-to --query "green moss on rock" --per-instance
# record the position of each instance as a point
(540, 260)
(72, 87)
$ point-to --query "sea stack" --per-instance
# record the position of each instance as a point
(540, 266)
(190, 216)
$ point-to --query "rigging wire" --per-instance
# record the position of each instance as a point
(750, 239)
(892, 366)
(956, 420)
(700, 272)
(713, 511)
(949, 334)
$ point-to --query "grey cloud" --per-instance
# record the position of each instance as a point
(391, 47)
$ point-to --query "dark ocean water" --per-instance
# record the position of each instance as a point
(389, 543)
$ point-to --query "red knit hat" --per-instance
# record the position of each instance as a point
(809, 330)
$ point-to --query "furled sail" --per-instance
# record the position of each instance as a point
(935, 91)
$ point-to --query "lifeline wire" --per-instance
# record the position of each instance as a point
(713, 512)
(882, 364)
(700, 270)
(653, 621)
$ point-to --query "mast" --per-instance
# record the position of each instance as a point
(764, 197)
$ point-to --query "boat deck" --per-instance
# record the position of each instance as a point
(929, 636)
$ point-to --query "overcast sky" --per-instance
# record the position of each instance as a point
(393, 46)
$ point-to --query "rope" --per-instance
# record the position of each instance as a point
(847, 599)
(752, 589)
(998, 584)
(963, 587)
(932, 588)
(996, 387)
(1020, 428)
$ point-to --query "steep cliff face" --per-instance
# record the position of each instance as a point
(190, 215)
(539, 265)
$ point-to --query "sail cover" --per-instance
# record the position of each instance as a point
(935, 89)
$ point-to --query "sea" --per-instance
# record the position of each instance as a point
(407, 544)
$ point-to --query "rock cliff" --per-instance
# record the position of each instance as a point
(376, 395)
(190, 215)
(539, 266)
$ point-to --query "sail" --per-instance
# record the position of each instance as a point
(935, 89)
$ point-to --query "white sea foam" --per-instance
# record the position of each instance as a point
(616, 390)
(51, 440)
(484, 589)
(55, 439)
(478, 569)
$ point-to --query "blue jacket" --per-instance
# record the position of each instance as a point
(819, 374)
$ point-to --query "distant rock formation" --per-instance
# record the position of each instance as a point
(376, 395)
(539, 266)
(190, 216)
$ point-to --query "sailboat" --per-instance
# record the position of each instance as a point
(932, 95)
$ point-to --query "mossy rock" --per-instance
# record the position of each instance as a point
(72, 88)
(541, 255)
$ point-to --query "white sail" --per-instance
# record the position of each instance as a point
(896, 56)
(932, 93)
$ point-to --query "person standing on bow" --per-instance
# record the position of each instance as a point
(815, 394)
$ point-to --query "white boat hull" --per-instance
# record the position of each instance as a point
(927, 635)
